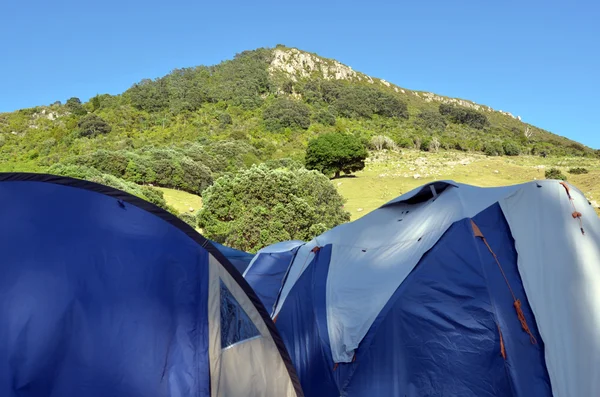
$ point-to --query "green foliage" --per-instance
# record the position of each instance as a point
(162, 167)
(493, 148)
(74, 106)
(188, 218)
(325, 117)
(431, 120)
(466, 116)
(333, 153)
(511, 148)
(260, 206)
(555, 173)
(147, 193)
(92, 125)
(578, 171)
(95, 102)
(353, 100)
(210, 121)
(284, 113)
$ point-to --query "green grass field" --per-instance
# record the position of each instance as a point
(389, 174)
(182, 201)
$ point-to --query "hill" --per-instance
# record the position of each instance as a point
(185, 129)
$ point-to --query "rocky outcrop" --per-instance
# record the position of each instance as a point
(299, 64)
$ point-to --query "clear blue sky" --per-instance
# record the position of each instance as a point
(538, 59)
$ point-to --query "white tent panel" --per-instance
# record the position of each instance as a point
(560, 269)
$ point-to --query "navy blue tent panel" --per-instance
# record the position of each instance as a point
(439, 335)
(267, 274)
(98, 298)
(303, 328)
(239, 259)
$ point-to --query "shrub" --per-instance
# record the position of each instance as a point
(188, 218)
(284, 112)
(466, 116)
(554, 173)
(260, 206)
(511, 148)
(431, 120)
(493, 148)
(406, 142)
(92, 125)
(425, 143)
(147, 193)
(578, 171)
(334, 153)
(434, 145)
(74, 106)
(325, 117)
(380, 142)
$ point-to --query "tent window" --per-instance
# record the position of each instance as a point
(236, 326)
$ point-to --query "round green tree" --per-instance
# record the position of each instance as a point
(333, 153)
(261, 206)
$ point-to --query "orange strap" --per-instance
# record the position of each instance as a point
(576, 215)
(516, 302)
(502, 349)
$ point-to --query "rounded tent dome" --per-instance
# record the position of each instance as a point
(104, 294)
(448, 290)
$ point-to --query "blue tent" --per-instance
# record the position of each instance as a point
(448, 290)
(239, 259)
(103, 294)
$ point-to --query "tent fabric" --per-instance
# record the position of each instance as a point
(302, 329)
(106, 294)
(239, 259)
(557, 277)
(365, 257)
(267, 274)
(560, 268)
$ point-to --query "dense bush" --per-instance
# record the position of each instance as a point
(260, 206)
(333, 153)
(511, 148)
(75, 106)
(91, 174)
(493, 148)
(431, 120)
(189, 219)
(92, 125)
(285, 112)
(554, 173)
(325, 117)
(578, 171)
(462, 115)
(162, 167)
(354, 100)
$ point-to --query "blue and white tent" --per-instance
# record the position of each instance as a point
(103, 294)
(448, 290)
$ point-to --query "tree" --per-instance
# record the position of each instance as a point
(511, 148)
(261, 205)
(92, 125)
(333, 153)
(286, 112)
(74, 105)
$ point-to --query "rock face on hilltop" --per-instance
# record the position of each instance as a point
(298, 65)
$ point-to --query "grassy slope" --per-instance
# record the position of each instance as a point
(182, 201)
(388, 175)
